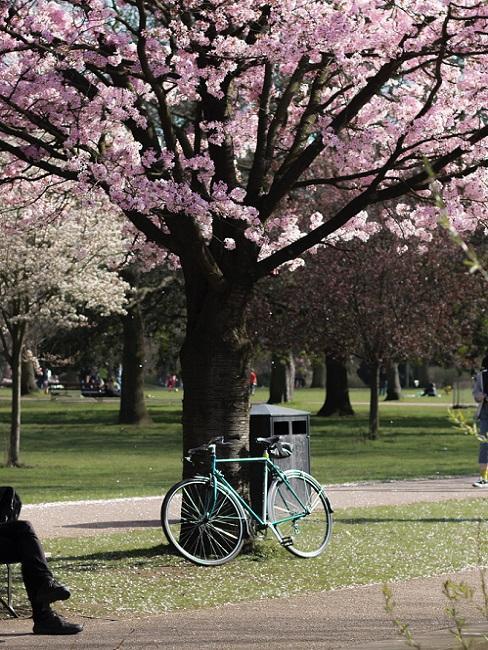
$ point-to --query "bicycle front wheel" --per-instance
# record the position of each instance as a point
(206, 525)
(300, 513)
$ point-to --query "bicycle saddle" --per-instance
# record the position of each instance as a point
(276, 448)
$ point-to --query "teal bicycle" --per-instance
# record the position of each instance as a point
(206, 520)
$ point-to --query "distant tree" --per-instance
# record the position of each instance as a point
(393, 385)
(164, 309)
(337, 401)
(286, 316)
(55, 260)
(282, 378)
(156, 307)
(28, 382)
(388, 300)
(147, 288)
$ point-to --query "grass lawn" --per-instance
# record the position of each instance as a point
(74, 449)
(136, 573)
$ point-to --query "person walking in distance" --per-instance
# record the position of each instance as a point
(480, 394)
(253, 382)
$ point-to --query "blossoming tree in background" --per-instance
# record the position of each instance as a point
(55, 260)
(211, 124)
(387, 301)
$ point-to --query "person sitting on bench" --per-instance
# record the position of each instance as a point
(19, 543)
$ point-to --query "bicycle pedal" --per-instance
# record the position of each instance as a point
(286, 541)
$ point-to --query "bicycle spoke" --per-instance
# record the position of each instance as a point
(188, 501)
(300, 514)
(224, 533)
(220, 542)
(205, 524)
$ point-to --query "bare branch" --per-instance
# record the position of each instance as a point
(164, 113)
(256, 175)
(281, 185)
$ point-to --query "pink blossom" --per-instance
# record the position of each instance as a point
(325, 111)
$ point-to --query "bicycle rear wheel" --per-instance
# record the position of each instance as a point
(205, 525)
(300, 513)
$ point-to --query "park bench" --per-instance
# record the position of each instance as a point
(55, 390)
(8, 603)
(97, 393)
(65, 388)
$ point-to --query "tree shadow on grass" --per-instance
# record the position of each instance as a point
(419, 520)
(95, 525)
(160, 550)
(418, 425)
(89, 416)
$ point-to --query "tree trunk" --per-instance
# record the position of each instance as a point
(13, 450)
(28, 378)
(423, 374)
(282, 378)
(393, 388)
(215, 364)
(373, 402)
(337, 391)
(318, 374)
(407, 373)
(132, 404)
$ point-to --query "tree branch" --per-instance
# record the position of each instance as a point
(281, 112)
(307, 120)
(164, 113)
(257, 172)
(369, 196)
(281, 185)
(42, 164)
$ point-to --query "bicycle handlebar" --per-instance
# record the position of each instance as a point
(273, 444)
(218, 441)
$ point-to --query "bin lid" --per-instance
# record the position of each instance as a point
(272, 409)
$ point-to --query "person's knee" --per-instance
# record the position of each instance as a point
(24, 527)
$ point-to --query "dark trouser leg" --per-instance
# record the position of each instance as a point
(19, 543)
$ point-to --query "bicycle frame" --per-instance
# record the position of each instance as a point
(269, 467)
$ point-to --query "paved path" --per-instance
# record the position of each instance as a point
(346, 618)
(76, 518)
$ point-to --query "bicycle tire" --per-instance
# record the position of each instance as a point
(305, 536)
(203, 537)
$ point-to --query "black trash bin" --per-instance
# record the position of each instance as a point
(293, 426)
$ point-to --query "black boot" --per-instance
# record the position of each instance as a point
(51, 591)
(48, 622)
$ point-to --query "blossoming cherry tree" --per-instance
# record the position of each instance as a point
(200, 120)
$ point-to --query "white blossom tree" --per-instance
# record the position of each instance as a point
(56, 260)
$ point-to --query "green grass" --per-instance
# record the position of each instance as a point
(416, 439)
(75, 449)
(136, 573)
